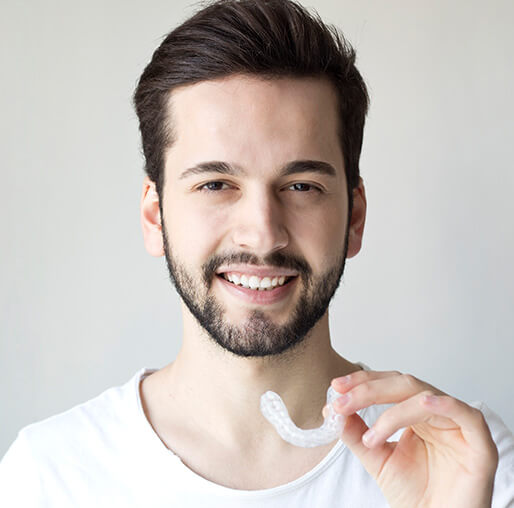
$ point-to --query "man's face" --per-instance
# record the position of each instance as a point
(255, 195)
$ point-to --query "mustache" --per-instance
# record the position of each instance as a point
(275, 259)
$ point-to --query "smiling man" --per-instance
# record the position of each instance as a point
(256, 173)
(252, 115)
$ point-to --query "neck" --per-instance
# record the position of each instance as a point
(225, 389)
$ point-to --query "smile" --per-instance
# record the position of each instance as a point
(258, 295)
(254, 282)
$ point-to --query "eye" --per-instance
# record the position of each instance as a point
(213, 186)
(303, 187)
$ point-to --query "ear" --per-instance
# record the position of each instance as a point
(357, 220)
(151, 219)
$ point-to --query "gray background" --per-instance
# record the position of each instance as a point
(83, 306)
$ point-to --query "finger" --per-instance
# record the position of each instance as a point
(407, 413)
(440, 412)
(345, 383)
(384, 390)
(371, 458)
(471, 421)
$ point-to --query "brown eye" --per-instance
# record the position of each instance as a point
(213, 186)
(303, 187)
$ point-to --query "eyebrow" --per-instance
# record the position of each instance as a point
(291, 168)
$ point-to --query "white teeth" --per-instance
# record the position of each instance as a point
(254, 282)
(265, 283)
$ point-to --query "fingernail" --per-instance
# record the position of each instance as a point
(369, 437)
(431, 399)
(343, 400)
(343, 380)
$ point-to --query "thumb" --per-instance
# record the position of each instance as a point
(372, 459)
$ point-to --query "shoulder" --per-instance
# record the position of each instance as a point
(55, 452)
(70, 433)
(90, 421)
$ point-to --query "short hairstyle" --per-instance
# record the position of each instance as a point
(265, 38)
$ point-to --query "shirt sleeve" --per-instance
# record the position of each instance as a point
(503, 492)
(20, 483)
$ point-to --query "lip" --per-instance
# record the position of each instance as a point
(256, 296)
(259, 271)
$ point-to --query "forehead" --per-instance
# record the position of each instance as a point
(254, 122)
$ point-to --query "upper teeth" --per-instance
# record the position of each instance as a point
(254, 282)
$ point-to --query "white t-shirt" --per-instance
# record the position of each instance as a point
(104, 453)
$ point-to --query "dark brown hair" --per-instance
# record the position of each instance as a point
(268, 38)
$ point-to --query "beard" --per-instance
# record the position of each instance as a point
(259, 336)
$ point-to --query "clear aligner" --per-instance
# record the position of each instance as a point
(275, 411)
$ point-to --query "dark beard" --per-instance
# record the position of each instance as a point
(259, 336)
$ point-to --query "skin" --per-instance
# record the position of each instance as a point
(260, 126)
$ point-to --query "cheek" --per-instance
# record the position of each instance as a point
(320, 236)
(193, 233)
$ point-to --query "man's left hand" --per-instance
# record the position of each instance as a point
(445, 456)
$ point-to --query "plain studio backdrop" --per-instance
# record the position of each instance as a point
(83, 306)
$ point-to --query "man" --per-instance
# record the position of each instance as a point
(251, 115)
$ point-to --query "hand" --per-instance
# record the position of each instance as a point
(446, 455)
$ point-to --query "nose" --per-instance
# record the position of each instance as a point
(259, 224)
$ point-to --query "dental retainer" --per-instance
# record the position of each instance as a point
(275, 411)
